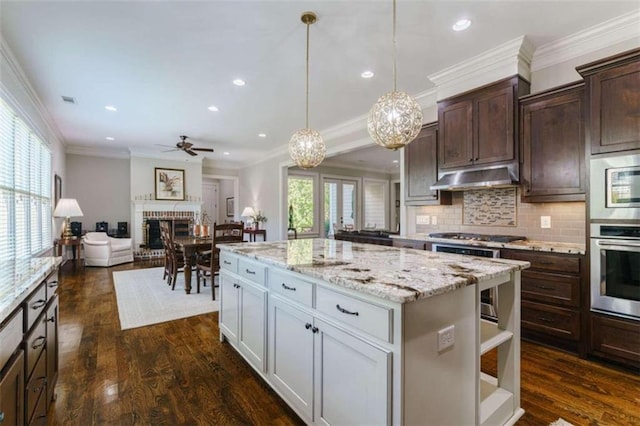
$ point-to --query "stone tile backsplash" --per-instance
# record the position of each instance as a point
(490, 207)
(567, 220)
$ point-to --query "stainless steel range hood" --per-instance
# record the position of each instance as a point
(500, 176)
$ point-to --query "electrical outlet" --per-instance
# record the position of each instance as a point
(446, 337)
(545, 221)
(434, 220)
(422, 220)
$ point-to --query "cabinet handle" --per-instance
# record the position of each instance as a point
(547, 320)
(471, 160)
(236, 285)
(53, 284)
(307, 326)
(286, 287)
(39, 388)
(344, 311)
(226, 262)
(315, 330)
(476, 159)
(52, 318)
(40, 342)
(39, 304)
(249, 271)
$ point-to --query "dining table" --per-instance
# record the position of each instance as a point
(190, 246)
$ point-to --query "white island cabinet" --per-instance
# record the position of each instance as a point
(353, 333)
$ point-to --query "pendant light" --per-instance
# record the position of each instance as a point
(306, 146)
(396, 118)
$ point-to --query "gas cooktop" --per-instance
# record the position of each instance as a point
(477, 237)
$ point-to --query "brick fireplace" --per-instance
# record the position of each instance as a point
(148, 214)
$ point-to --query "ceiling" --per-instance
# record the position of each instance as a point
(163, 63)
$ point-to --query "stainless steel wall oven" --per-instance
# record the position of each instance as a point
(615, 269)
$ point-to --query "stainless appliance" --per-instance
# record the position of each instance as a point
(485, 177)
(615, 269)
(488, 298)
(615, 187)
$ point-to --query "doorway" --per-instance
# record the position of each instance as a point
(340, 205)
(210, 191)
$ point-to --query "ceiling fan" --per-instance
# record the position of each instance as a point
(187, 147)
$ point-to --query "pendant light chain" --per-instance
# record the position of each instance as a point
(394, 46)
(307, 83)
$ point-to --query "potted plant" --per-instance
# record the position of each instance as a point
(258, 218)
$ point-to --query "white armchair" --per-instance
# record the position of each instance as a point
(103, 250)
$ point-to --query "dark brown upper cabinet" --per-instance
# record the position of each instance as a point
(553, 145)
(480, 127)
(421, 169)
(613, 98)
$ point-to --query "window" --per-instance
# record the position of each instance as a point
(375, 203)
(25, 189)
(302, 199)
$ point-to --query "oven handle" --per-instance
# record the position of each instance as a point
(619, 245)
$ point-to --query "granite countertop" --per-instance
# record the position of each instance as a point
(549, 246)
(19, 278)
(391, 273)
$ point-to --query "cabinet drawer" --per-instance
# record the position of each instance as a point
(253, 271)
(228, 261)
(34, 305)
(616, 339)
(36, 388)
(35, 343)
(553, 288)
(52, 285)
(551, 320)
(10, 336)
(372, 319)
(413, 244)
(547, 262)
(291, 287)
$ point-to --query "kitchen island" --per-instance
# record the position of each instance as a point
(354, 333)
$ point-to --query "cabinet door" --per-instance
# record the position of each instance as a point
(614, 105)
(252, 327)
(352, 379)
(421, 167)
(229, 307)
(291, 355)
(12, 393)
(494, 122)
(553, 147)
(455, 138)
(52, 347)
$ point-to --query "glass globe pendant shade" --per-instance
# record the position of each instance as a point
(306, 148)
(394, 120)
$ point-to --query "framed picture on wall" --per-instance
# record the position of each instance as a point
(169, 184)
(230, 207)
(57, 190)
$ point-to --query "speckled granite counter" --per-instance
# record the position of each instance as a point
(568, 248)
(18, 279)
(394, 274)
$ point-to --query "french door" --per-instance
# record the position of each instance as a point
(340, 205)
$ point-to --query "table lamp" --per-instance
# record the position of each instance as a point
(66, 208)
(248, 212)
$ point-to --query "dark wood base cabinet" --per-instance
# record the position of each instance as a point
(12, 392)
(615, 339)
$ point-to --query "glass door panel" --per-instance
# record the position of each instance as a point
(339, 205)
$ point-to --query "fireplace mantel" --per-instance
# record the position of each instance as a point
(138, 208)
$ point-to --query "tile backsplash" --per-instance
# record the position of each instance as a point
(567, 220)
(491, 207)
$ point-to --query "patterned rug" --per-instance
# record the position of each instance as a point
(561, 422)
(144, 298)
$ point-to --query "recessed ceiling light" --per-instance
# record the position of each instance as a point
(110, 138)
(262, 135)
(213, 108)
(110, 108)
(395, 161)
(461, 25)
(367, 74)
(226, 153)
(239, 82)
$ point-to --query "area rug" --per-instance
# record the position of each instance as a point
(144, 298)
(561, 422)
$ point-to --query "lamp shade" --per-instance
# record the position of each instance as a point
(67, 207)
(248, 212)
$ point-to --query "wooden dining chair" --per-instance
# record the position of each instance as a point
(164, 235)
(174, 257)
(208, 262)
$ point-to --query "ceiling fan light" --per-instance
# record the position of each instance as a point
(307, 148)
(394, 120)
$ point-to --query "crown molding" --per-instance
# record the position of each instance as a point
(603, 35)
(508, 59)
(14, 65)
(90, 151)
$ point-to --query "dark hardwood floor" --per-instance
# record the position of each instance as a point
(179, 373)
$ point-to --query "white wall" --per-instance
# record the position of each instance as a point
(101, 186)
(143, 176)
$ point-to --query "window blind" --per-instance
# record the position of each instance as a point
(25, 189)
